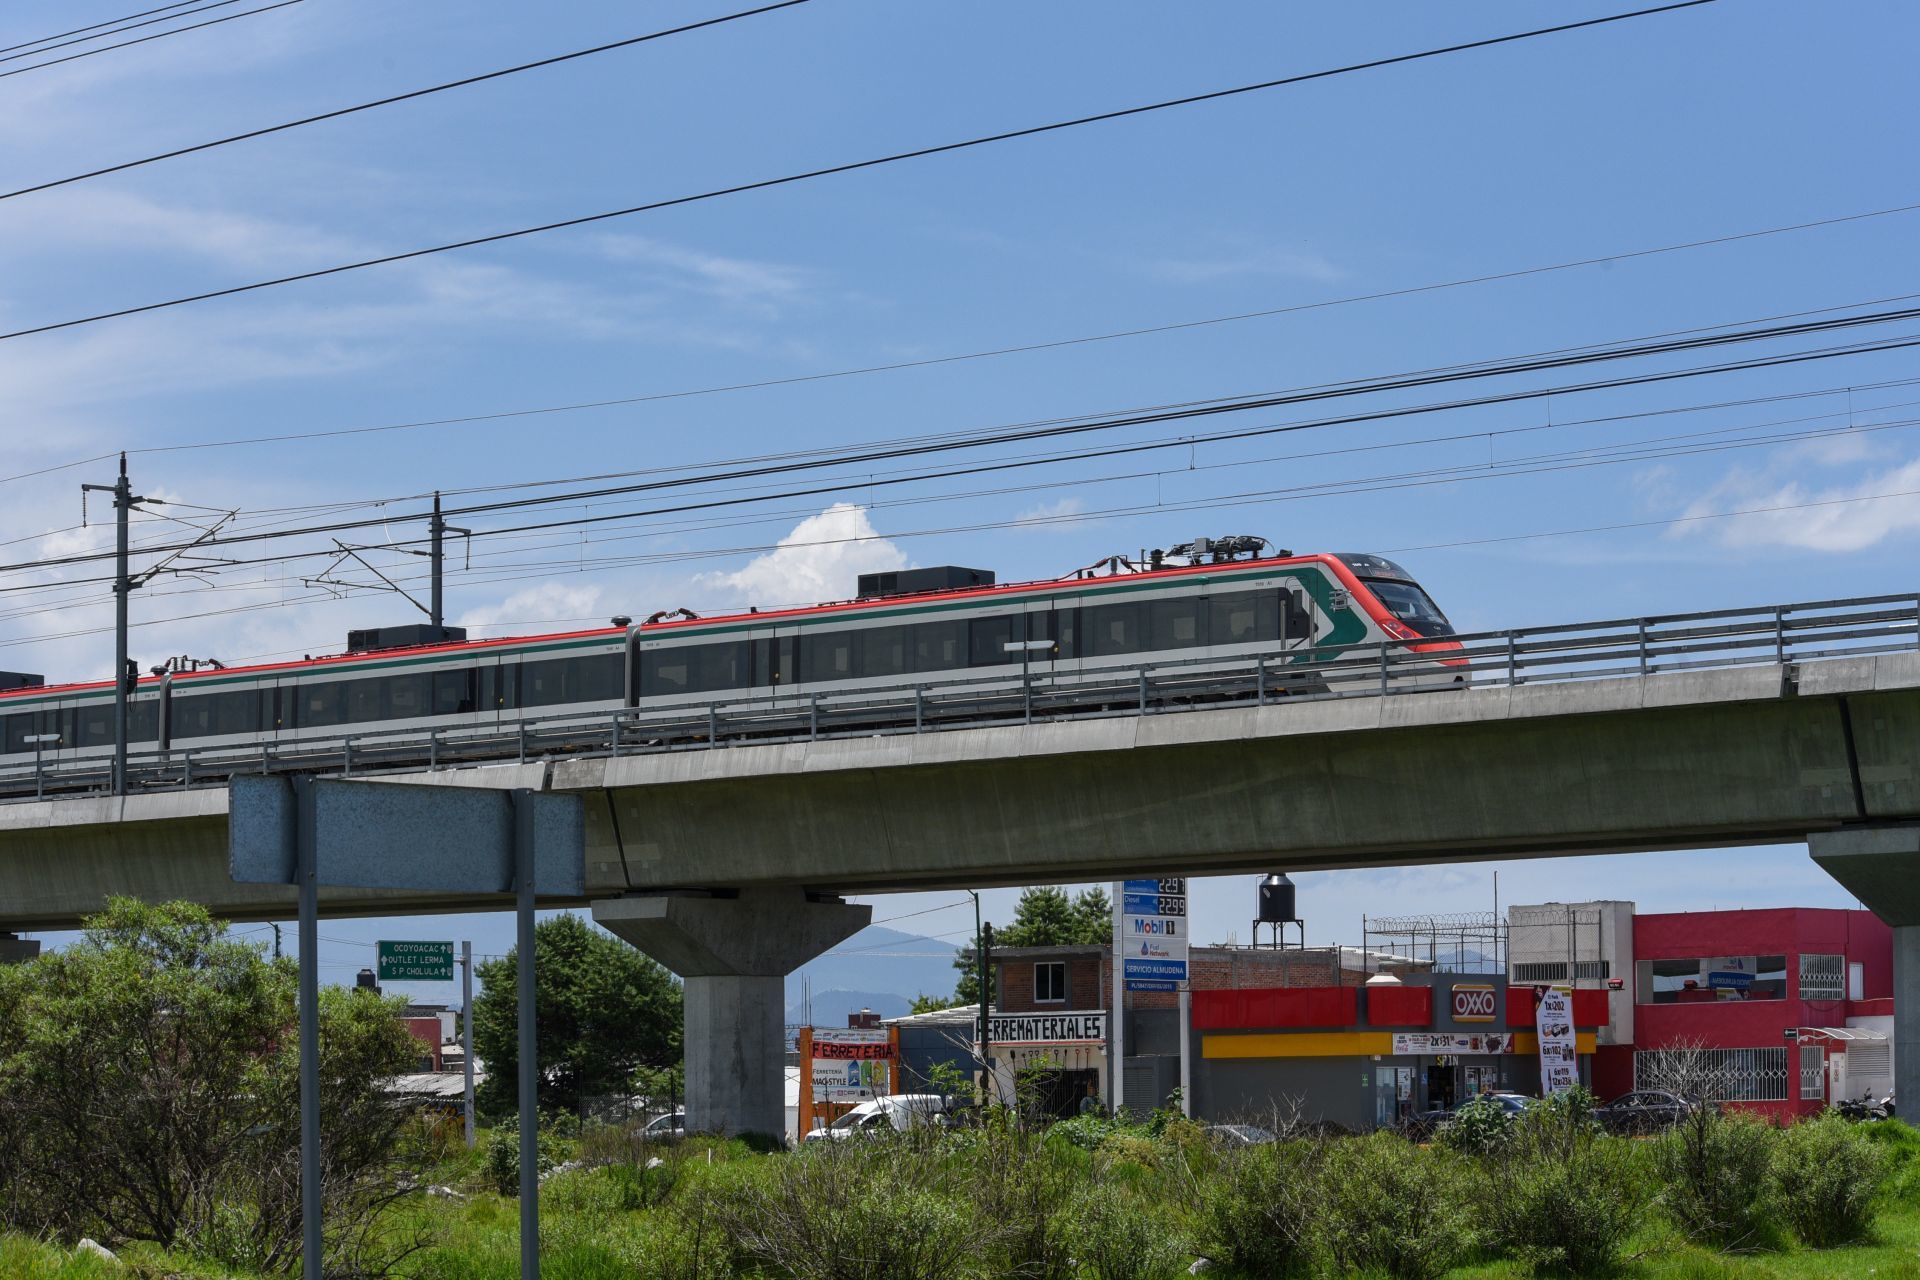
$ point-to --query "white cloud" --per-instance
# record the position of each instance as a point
(819, 560)
(738, 280)
(1053, 515)
(548, 602)
(1842, 517)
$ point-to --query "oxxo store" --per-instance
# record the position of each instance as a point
(1366, 1057)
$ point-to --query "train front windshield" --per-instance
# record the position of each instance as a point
(1413, 607)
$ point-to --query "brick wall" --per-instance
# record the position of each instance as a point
(1090, 976)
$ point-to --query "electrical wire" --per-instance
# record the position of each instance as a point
(988, 354)
(1211, 408)
(61, 35)
(217, 4)
(390, 100)
(833, 170)
(158, 35)
(1245, 498)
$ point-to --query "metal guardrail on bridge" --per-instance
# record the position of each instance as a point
(1620, 647)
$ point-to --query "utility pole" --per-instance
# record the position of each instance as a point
(437, 529)
(123, 504)
(986, 1023)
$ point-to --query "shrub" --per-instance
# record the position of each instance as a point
(1478, 1127)
(503, 1155)
(1256, 1213)
(851, 1210)
(1086, 1132)
(1563, 1196)
(1714, 1170)
(1385, 1205)
(1826, 1176)
(1116, 1234)
(1023, 1188)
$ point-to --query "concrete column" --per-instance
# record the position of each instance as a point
(1881, 867)
(734, 953)
(17, 950)
(1906, 1026)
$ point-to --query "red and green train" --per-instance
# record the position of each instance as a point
(1301, 612)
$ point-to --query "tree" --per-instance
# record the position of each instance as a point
(149, 1090)
(1045, 917)
(924, 1003)
(602, 1011)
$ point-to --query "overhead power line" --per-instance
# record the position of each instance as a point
(988, 354)
(158, 35)
(111, 22)
(400, 97)
(1212, 408)
(135, 26)
(851, 166)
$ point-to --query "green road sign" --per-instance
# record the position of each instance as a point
(416, 961)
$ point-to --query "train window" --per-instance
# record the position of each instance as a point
(939, 646)
(591, 678)
(1110, 630)
(409, 695)
(366, 700)
(728, 665)
(143, 720)
(828, 655)
(987, 641)
(665, 671)
(321, 705)
(95, 728)
(1174, 624)
(501, 689)
(14, 732)
(883, 652)
(453, 692)
(1066, 639)
(1235, 618)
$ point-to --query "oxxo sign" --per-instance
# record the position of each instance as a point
(1473, 1002)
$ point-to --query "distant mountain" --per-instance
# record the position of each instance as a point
(830, 1008)
(878, 968)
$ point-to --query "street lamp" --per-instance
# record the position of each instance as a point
(1026, 649)
(38, 739)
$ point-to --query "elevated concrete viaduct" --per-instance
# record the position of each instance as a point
(1748, 755)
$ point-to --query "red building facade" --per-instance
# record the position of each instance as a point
(1788, 1009)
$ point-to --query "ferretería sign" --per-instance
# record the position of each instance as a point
(1047, 1028)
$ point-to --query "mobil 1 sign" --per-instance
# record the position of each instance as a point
(416, 961)
(1150, 933)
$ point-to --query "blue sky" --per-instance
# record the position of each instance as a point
(1734, 117)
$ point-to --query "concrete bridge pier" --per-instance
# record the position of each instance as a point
(734, 950)
(1881, 867)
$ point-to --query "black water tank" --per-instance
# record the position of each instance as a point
(1276, 900)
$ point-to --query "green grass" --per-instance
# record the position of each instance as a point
(591, 1229)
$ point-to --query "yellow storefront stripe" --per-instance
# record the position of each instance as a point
(1344, 1044)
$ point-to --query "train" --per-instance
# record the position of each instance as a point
(1226, 600)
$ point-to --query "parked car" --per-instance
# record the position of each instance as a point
(1424, 1126)
(1644, 1111)
(897, 1112)
(660, 1128)
(1239, 1135)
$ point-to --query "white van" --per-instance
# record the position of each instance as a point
(898, 1112)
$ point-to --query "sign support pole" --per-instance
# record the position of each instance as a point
(529, 1046)
(466, 1030)
(1117, 1031)
(312, 1222)
(1186, 1055)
